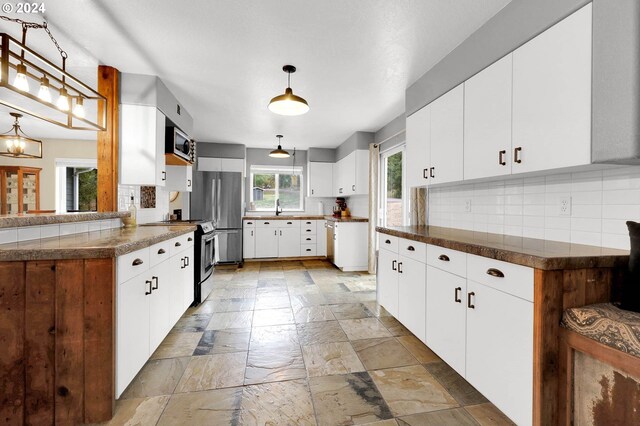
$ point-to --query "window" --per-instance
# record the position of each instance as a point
(393, 198)
(271, 183)
(77, 185)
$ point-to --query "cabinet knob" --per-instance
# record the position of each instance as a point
(137, 262)
(308, 249)
(249, 223)
(516, 155)
(178, 244)
(266, 223)
(308, 239)
(411, 248)
(387, 241)
(353, 188)
(501, 159)
(161, 251)
(495, 273)
(189, 239)
(289, 223)
(443, 257)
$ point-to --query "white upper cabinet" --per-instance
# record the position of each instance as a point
(320, 182)
(210, 164)
(351, 174)
(552, 97)
(447, 118)
(487, 121)
(418, 143)
(361, 183)
(348, 174)
(142, 130)
(179, 178)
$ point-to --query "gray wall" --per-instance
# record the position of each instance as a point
(392, 134)
(322, 155)
(220, 150)
(260, 157)
(514, 25)
(359, 140)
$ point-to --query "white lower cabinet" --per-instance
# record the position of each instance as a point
(476, 313)
(500, 350)
(411, 295)
(152, 294)
(248, 242)
(321, 237)
(387, 280)
(266, 242)
(350, 246)
(289, 242)
(446, 305)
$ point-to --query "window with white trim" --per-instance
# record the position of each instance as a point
(271, 183)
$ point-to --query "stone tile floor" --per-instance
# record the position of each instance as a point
(297, 343)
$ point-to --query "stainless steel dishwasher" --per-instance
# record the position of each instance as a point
(331, 238)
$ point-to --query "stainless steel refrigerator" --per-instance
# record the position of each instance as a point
(217, 196)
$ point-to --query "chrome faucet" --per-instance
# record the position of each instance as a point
(278, 208)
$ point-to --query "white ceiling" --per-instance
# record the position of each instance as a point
(223, 58)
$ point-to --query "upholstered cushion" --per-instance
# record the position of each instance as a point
(606, 324)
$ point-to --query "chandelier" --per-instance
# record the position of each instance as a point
(17, 144)
(33, 85)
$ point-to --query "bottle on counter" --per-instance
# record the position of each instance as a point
(132, 219)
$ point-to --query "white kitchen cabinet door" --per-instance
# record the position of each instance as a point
(348, 175)
(232, 165)
(552, 97)
(179, 178)
(387, 280)
(176, 287)
(350, 246)
(447, 135)
(289, 242)
(412, 281)
(320, 179)
(487, 121)
(361, 168)
(446, 317)
(160, 299)
(499, 360)
(132, 332)
(249, 242)
(188, 286)
(321, 241)
(267, 242)
(418, 143)
(141, 145)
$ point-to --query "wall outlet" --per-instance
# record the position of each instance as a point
(467, 206)
(565, 205)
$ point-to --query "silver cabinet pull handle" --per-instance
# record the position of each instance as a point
(137, 262)
(495, 273)
(443, 257)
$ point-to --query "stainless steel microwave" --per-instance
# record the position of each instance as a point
(178, 143)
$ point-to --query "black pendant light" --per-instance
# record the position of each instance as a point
(288, 103)
(279, 153)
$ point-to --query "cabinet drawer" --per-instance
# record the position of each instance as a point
(307, 249)
(308, 230)
(288, 223)
(159, 252)
(249, 224)
(308, 223)
(308, 239)
(512, 279)
(181, 243)
(448, 260)
(132, 264)
(267, 223)
(413, 250)
(388, 242)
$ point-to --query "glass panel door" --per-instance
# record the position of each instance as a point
(393, 197)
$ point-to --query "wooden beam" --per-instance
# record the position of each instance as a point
(108, 86)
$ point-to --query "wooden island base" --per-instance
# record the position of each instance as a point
(57, 332)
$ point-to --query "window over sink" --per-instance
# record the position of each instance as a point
(272, 183)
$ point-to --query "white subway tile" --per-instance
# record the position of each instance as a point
(587, 238)
(67, 228)
(616, 241)
(586, 224)
(82, 227)
(27, 233)
(533, 232)
(94, 225)
(48, 231)
(8, 235)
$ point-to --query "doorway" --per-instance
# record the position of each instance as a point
(393, 199)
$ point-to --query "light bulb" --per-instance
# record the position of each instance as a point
(21, 82)
(9, 144)
(44, 93)
(78, 109)
(22, 144)
(63, 101)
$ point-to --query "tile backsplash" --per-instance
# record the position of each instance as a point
(145, 215)
(599, 204)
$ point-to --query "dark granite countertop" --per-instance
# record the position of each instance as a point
(91, 245)
(32, 219)
(536, 253)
